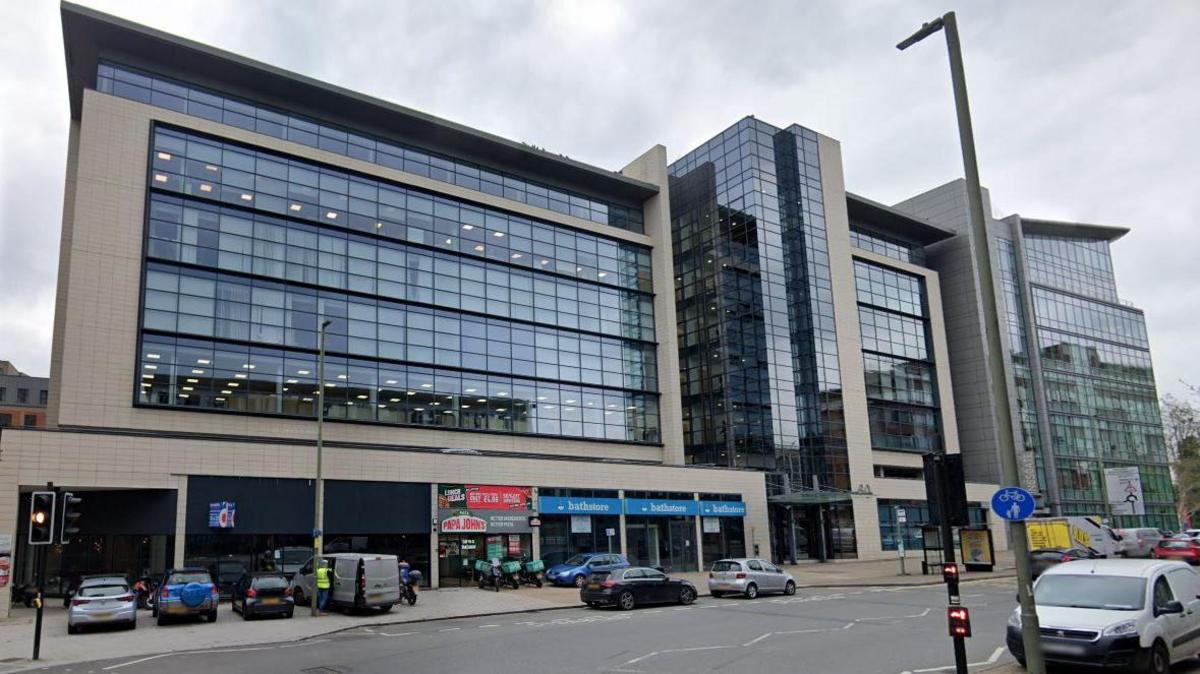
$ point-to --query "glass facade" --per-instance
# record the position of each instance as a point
(442, 313)
(898, 363)
(891, 531)
(163, 92)
(864, 238)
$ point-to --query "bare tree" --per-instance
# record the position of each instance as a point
(1181, 421)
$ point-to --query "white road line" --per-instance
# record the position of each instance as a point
(395, 634)
(813, 630)
(450, 629)
(304, 643)
(992, 660)
(227, 650)
(134, 662)
(654, 611)
(483, 626)
(847, 626)
(698, 648)
(643, 657)
(755, 640)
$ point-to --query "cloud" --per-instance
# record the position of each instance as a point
(1082, 110)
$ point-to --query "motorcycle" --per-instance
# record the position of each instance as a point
(489, 574)
(531, 572)
(408, 590)
(510, 573)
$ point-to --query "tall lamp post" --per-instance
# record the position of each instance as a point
(1002, 413)
(318, 491)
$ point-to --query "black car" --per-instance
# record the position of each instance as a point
(1040, 560)
(633, 586)
(261, 594)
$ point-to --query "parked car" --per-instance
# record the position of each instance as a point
(360, 581)
(575, 570)
(262, 594)
(633, 586)
(1115, 613)
(102, 600)
(1182, 549)
(1191, 533)
(225, 573)
(749, 577)
(289, 560)
(1040, 560)
(184, 592)
(1139, 542)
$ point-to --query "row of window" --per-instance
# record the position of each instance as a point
(1104, 438)
(905, 428)
(866, 239)
(227, 239)
(174, 95)
(1074, 354)
(198, 374)
(1079, 265)
(893, 334)
(1085, 317)
(899, 380)
(195, 165)
(889, 289)
(1102, 398)
(231, 307)
(29, 420)
(22, 396)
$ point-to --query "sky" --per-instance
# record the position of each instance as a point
(1083, 111)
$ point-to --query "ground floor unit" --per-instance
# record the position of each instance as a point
(152, 501)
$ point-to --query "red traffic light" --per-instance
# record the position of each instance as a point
(949, 571)
(959, 619)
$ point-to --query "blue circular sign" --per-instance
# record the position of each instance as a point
(1012, 503)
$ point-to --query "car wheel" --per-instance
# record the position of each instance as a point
(298, 597)
(716, 595)
(579, 581)
(790, 588)
(212, 616)
(71, 629)
(751, 591)
(290, 612)
(160, 619)
(245, 614)
(625, 601)
(1160, 659)
(1021, 661)
(686, 596)
(385, 608)
(133, 624)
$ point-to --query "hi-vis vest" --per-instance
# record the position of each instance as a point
(323, 578)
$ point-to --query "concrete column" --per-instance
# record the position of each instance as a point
(624, 533)
(434, 560)
(537, 531)
(699, 534)
(181, 487)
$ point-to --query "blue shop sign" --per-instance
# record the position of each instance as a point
(578, 505)
(723, 508)
(660, 507)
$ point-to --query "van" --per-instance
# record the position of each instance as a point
(1139, 542)
(361, 581)
(1123, 613)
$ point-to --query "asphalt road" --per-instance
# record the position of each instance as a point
(856, 631)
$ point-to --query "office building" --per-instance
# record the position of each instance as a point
(23, 398)
(812, 342)
(1081, 382)
(501, 369)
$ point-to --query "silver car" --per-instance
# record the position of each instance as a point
(102, 600)
(749, 577)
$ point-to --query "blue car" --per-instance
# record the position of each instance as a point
(575, 570)
(186, 592)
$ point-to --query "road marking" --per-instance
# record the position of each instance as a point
(639, 659)
(308, 642)
(847, 626)
(134, 662)
(992, 660)
(755, 640)
(698, 648)
(450, 629)
(396, 634)
(483, 626)
(654, 611)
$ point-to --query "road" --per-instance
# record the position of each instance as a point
(856, 630)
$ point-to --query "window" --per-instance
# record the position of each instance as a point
(3, 392)
(22, 395)
(5, 419)
(31, 420)
(1162, 593)
(754, 565)
(43, 397)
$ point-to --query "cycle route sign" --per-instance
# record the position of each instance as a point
(1013, 503)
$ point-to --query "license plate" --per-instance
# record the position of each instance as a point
(101, 616)
(593, 586)
(1063, 649)
(270, 601)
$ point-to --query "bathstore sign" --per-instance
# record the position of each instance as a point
(660, 508)
(222, 515)
(723, 508)
(459, 524)
(558, 505)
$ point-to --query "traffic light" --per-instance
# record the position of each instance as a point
(41, 518)
(70, 513)
(960, 621)
(950, 577)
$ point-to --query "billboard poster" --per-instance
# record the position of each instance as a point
(222, 515)
(1124, 487)
(484, 497)
(581, 524)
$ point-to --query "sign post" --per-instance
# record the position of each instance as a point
(609, 534)
(901, 526)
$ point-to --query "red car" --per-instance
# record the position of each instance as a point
(1184, 549)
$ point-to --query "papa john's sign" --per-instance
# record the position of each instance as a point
(464, 524)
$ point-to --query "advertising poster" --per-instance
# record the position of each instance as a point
(711, 525)
(1124, 488)
(976, 548)
(484, 497)
(581, 524)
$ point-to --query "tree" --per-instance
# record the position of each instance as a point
(1181, 420)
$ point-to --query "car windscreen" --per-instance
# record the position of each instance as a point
(188, 577)
(598, 577)
(1049, 555)
(1175, 544)
(576, 560)
(296, 556)
(270, 583)
(726, 566)
(103, 590)
(1115, 593)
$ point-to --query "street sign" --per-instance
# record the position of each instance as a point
(1013, 504)
(316, 533)
(610, 532)
(901, 516)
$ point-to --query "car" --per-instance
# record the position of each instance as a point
(226, 572)
(1139, 542)
(185, 592)
(1115, 613)
(1191, 533)
(262, 593)
(575, 570)
(633, 586)
(360, 581)
(1183, 549)
(102, 600)
(1044, 558)
(748, 577)
(289, 560)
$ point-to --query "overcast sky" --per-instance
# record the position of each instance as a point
(1083, 111)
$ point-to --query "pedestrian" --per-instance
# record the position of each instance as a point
(324, 577)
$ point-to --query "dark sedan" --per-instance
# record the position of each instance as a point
(1040, 560)
(634, 586)
(262, 594)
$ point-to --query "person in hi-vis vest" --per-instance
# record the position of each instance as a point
(325, 576)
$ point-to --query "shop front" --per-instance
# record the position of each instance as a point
(661, 530)
(722, 532)
(481, 522)
(578, 521)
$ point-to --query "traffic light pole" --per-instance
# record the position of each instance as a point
(948, 558)
(40, 599)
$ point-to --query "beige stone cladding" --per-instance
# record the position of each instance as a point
(87, 459)
(97, 314)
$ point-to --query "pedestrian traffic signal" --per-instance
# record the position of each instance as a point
(41, 518)
(960, 621)
(950, 577)
(70, 514)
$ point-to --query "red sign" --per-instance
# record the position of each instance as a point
(464, 524)
(496, 497)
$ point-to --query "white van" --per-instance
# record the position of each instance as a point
(1143, 614)
(361, 581)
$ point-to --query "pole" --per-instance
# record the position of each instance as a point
(318, 487)
(40, 562)
(820, 518)
(960, 644)
(1001, 412)
(903, 527)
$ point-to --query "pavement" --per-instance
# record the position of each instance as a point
(16, 633)
(855, 630)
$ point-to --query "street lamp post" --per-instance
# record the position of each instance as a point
(318, 491)
(1001, 411)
